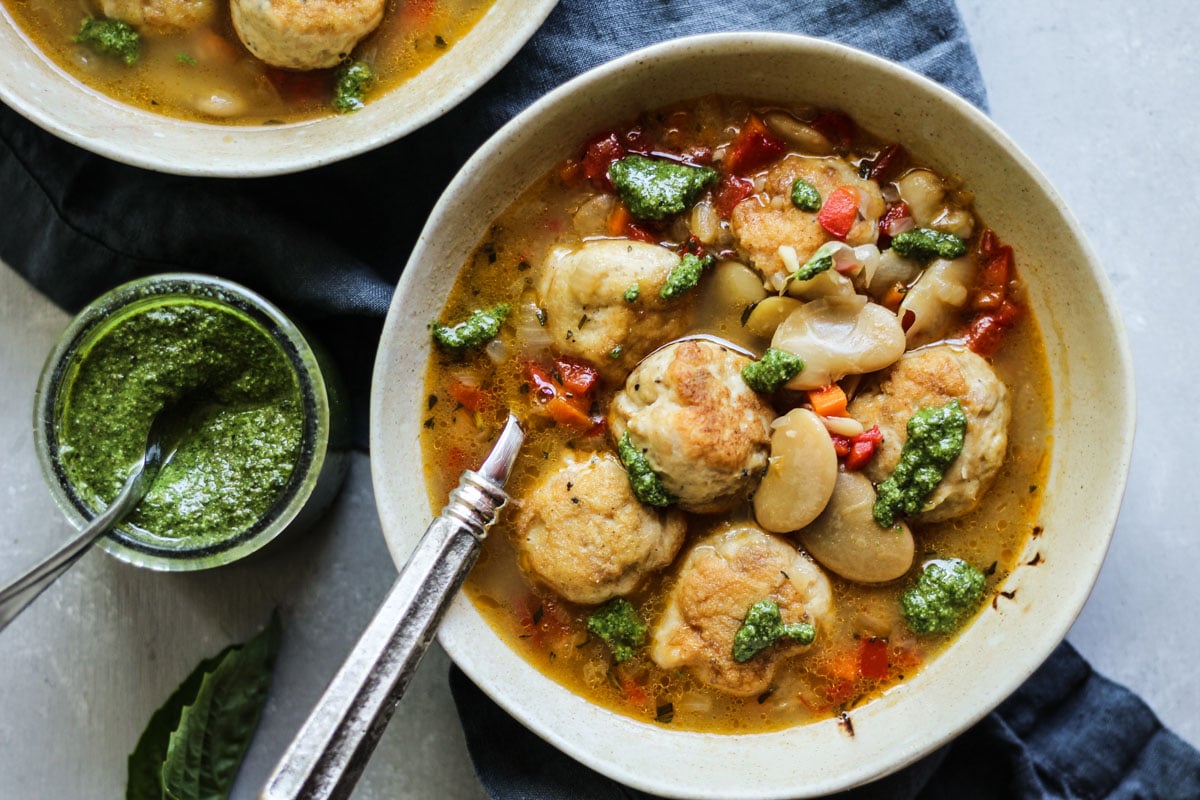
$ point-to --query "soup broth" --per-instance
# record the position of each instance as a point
(206, 74)
(864, 642)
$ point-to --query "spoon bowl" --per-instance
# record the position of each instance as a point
(167, 431)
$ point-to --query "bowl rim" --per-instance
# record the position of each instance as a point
(267, 142)
(1103, 520)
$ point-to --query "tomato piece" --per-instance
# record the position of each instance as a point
(888, 163)
(896, 219)
(731, 191)
(577, 377)
(598, 156)
(466, 392)
(754, 147)
(841, 444)
(985, 333)
(836, 126)
(994, 275)
(633, 691)
(839, 212)
(839, 691)
(873, 658)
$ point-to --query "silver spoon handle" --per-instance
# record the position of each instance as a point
(24, 590)
(331, 750)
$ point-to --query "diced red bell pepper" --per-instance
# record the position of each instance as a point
(888, 163)
(862, 448)
(754, 148)
(841, 444)
(836, 126)
(731, 191)
(873, 658)
(985, 333)
(839, 212)
(598, 156)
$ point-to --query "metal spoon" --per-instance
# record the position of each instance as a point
(161, 442)
(331, 750)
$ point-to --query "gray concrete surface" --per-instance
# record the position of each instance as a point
(1101, 95)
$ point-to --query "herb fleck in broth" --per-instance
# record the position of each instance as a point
(864, 646)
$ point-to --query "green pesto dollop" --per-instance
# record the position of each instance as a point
(654, 188)
(475, 331)
(820, 261)
(111, 37)
(618, 624)
(763, 627)
(805, 196)
(633, 293)
(350, 86)
(774, 369)
(943, 597)
(935, 438)
(239, 449)
(647, 486)
(685, 276)
(924, 244)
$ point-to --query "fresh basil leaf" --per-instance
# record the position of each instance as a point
(193, 745)
(146, 760)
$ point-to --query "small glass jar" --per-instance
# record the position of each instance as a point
(324, 441)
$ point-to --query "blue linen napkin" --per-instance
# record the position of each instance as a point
(328, 245)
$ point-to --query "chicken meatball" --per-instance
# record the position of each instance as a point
(160, 17)
(304, 34)
(582, 533)
(768, 220)
(704, 432)
(602, 302)
(934, 376)
(721, 577)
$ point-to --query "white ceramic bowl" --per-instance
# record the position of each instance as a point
(1092, 439)
(41, 91)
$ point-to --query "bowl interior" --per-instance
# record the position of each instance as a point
(38, 89)
(1085, 345)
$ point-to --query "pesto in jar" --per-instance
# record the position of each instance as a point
(241, 445)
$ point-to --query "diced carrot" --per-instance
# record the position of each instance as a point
(840, 211)
(828, 401)
(212, 49)
(571, 172)
(618, 218)
(895, 296)
(466, 391)
(565, 412)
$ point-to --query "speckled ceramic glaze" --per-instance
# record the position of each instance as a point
(1092, 427)
(42, 92)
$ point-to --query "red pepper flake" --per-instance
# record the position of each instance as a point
(839, 212)
(754, 148)
(731, 191)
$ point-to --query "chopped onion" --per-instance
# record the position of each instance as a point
(791, 261)
(497, 351)
(531, 334)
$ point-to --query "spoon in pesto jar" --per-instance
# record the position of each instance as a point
(167, 431)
